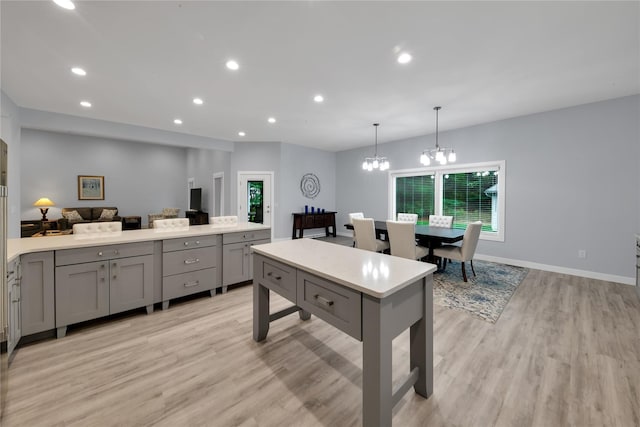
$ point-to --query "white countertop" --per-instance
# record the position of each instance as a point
(17, 247)
(372, 273)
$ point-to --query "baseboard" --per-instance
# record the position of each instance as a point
(557, 269)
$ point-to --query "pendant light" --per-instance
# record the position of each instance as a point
(375, 162)
(439, 154)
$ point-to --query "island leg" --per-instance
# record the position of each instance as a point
(260, 311)
(421, 343)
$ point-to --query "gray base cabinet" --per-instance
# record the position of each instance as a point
(37, 289)
(14, 330)
(237, 257)
(99, 281)
(190, 265)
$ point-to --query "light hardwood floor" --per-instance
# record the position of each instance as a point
(566, 351)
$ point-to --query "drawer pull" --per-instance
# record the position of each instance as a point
(192, 284)
(323, 300)
(100, 253)
(197, 242)
(191, 261)
(116, 252)
(186, 243)
(270, 274)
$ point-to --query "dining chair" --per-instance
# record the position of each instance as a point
(444, 221)
(408, 217)
(365, 235)
(353, 215)
(402, 239)
(464, 252)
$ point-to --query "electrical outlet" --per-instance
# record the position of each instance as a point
(582, 253)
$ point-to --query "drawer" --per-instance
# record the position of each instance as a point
(246, 236)
(189, 283)
(100, 253)
(171, 245)
(335, 304)
(189, 260)
(276, 276)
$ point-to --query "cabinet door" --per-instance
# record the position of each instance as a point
(131, 283)
(37, 293)
(82, 292)
(235, 258)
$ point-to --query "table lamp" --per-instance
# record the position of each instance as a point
(44, 204)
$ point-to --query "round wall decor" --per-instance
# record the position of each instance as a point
(310, 186)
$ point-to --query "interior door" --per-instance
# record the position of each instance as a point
(255, 198)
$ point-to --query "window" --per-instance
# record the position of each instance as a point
(469, 193)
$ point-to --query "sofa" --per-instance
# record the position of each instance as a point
(71, 216)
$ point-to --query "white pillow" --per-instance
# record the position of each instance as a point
(73, 216)
(107, 214)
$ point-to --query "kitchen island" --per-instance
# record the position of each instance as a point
(74, 278)
(370, 296)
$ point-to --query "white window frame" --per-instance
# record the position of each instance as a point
(439, 171)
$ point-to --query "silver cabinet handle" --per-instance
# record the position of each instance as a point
(323, 300)
(270, 274)
(191, 260)
(116, 252)
(192, 284)
(100, 253)
(197, 242)
(186, 243)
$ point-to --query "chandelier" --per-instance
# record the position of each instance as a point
(375, 162)
(438, 154)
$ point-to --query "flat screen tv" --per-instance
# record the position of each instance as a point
(195, 201)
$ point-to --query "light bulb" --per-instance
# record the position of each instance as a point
(424, 159)
(365, 165)
(452, 156)
(369, 167)
(443, 160)
(439, 156)
(376, 163)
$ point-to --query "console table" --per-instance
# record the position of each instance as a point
(302, 221)
(370, 296)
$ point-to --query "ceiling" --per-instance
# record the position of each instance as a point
(481, 61)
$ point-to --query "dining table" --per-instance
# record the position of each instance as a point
(430, 237)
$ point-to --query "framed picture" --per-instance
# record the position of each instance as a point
(90, 187)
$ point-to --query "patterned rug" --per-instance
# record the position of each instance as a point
(484, 296)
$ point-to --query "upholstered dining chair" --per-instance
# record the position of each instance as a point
(408, 217)
(402, 239)
(444, 221)
(353, 215)
(365, 235)
(464, 252)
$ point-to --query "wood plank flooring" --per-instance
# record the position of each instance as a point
(566, 351)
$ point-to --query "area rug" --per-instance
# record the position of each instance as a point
(484, 296)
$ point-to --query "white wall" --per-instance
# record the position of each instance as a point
(201, 165)
(10, 133)
(139, 178)
(572, 183)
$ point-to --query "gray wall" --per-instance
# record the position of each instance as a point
(585, 196)
(297, 161)
(139, 178)
(201, 165)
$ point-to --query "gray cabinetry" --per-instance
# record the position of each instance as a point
(37, 289)
(190, 265)
(98, 281)
(14, 332)
(237, 257)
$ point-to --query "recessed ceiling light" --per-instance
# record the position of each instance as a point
(67, 4)
(241, 133)
(271, 119)
(177, 121)
(86, 104)
(404, 58)
(232, 65)
(198, 101)
(79, 71)
(318, 98)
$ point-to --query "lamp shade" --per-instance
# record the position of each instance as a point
(44, 202)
